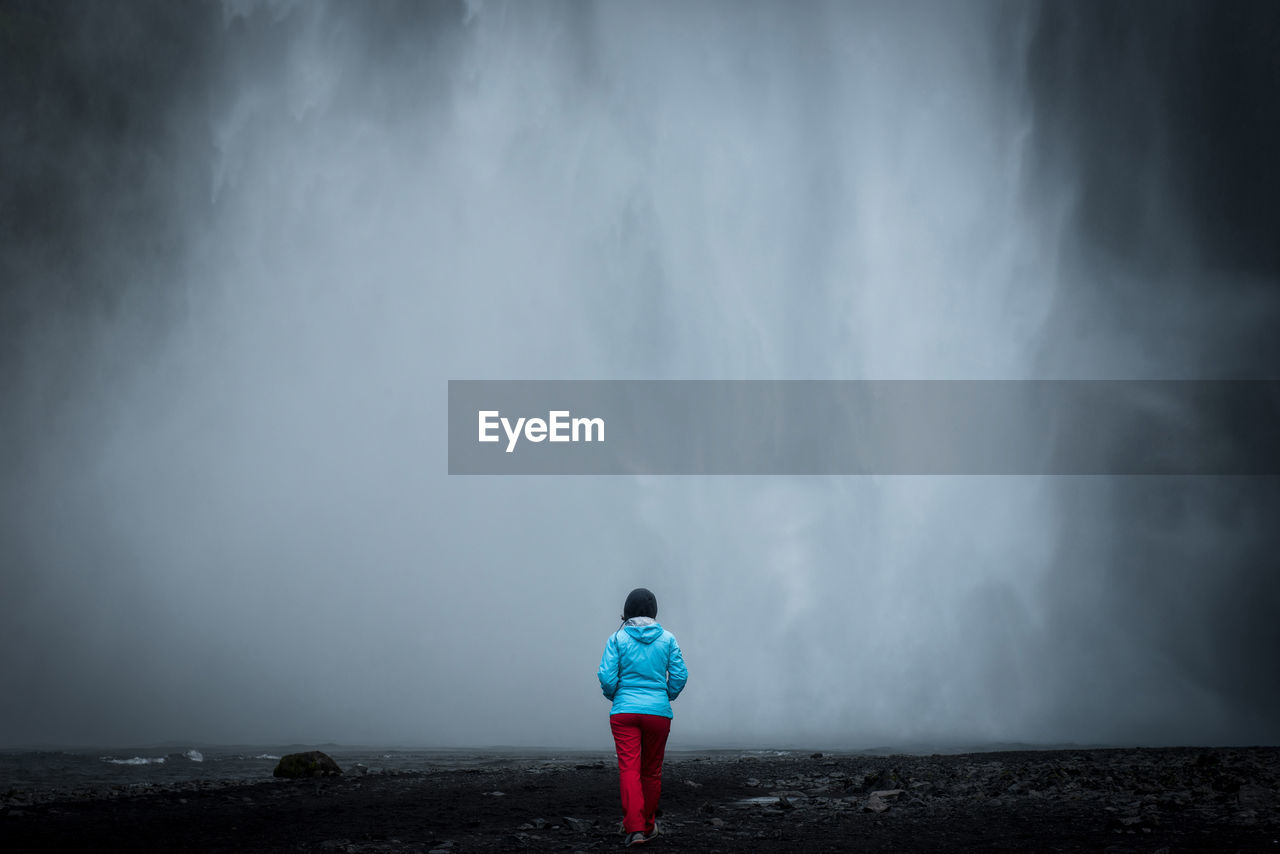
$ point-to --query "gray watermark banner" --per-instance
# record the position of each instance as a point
(889, 427)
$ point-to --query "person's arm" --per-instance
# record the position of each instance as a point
(609, 667)
(677, 673)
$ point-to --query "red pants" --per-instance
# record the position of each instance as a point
(641, 741)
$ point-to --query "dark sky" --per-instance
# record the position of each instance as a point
(245, 244)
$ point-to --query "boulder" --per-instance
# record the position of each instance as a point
(875, 804)
(313, 763)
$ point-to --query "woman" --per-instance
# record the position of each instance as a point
(641, 671)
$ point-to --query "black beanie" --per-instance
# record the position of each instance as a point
(640, 603)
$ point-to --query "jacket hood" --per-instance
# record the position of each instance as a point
(643, 629)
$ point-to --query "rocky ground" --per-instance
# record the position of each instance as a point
(1141, 800)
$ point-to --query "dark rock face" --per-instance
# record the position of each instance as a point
(313, 763)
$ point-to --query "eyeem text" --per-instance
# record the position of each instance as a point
(558, 426)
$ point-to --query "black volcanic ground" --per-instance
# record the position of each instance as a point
(1113, 800)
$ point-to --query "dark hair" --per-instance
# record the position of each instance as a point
(640, 603)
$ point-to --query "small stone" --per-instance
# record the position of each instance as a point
(875, 804)
(888, 794)
(1133, 823)
(1252, 796)
(692, 784)
(581, 825)
(1226, 783)
(752, 782)
(815, 755)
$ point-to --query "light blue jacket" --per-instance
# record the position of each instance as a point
(642, 669)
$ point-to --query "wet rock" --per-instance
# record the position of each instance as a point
(313, 763)
(360, 769)
(888, 794)
(875, 804)
(581, 825)
(768, 802)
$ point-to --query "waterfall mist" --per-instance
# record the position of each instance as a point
(247, 244)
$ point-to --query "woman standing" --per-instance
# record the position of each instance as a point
(641, 671)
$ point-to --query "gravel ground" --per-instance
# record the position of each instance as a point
(1115, 800)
